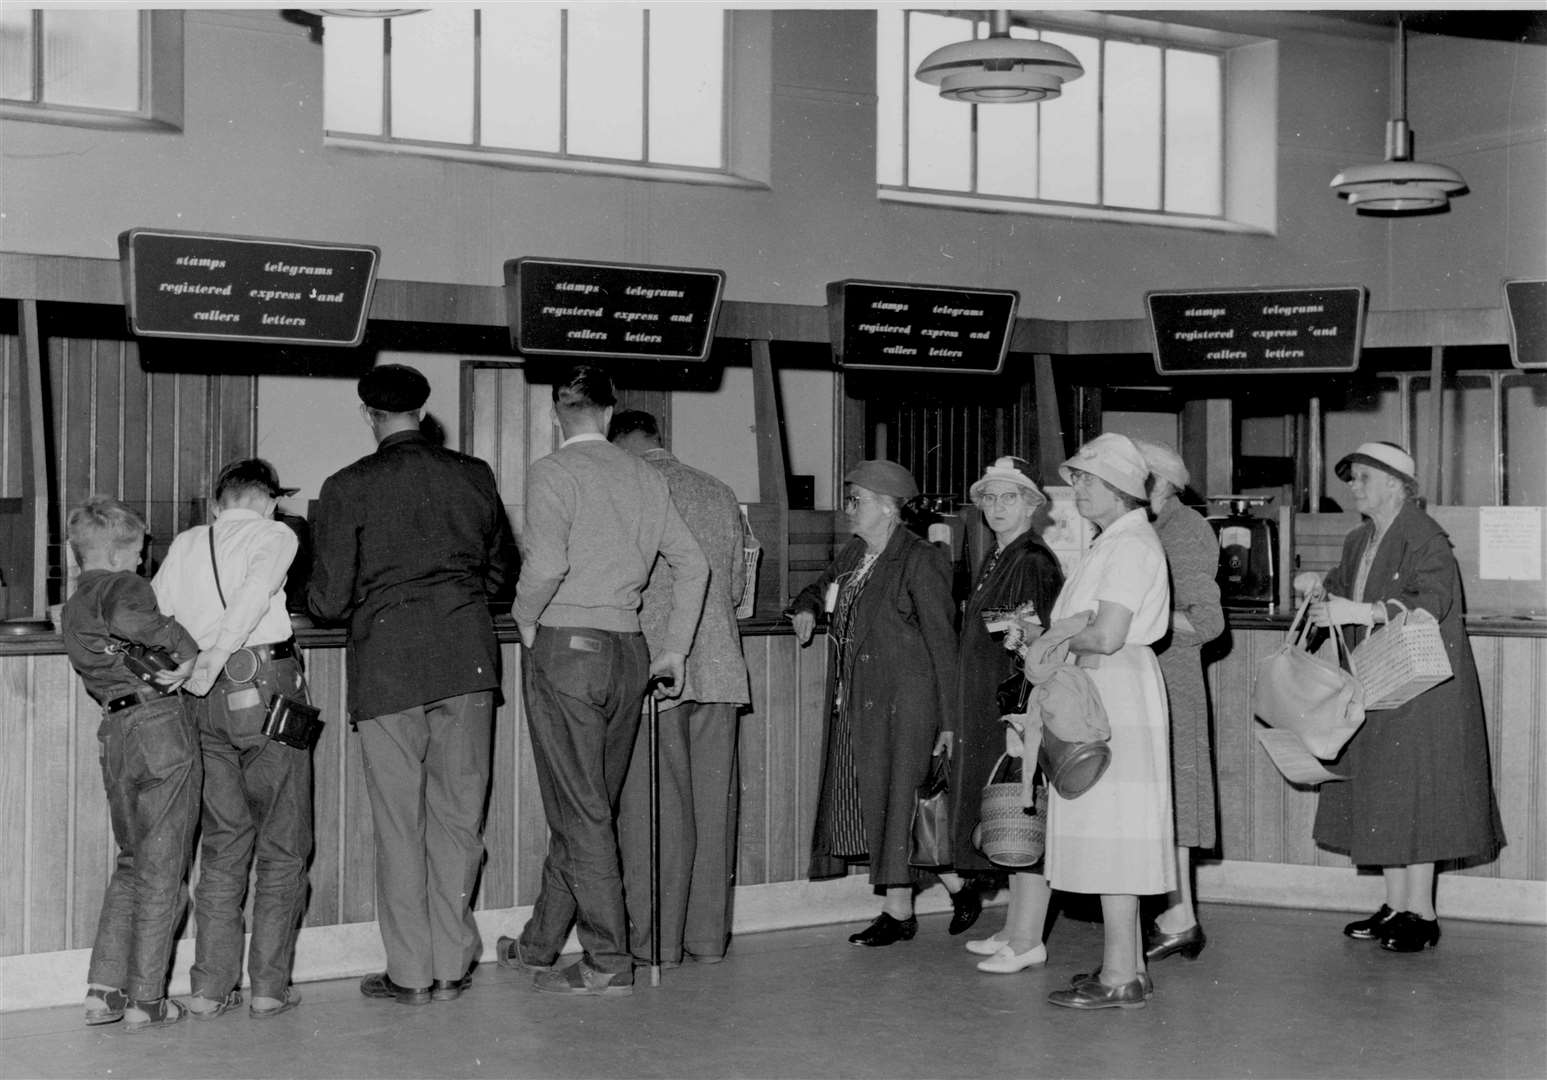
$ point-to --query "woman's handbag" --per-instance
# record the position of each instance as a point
(932, 817)
(1012, 825)
(1402, 659)
(1314, 698)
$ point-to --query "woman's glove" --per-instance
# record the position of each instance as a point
(1340, 611)
(1308, 583)
(1012, 738)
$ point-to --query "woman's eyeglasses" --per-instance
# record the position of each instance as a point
(987, 500)
(852, 503)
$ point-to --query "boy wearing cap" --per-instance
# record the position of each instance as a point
(226, 583)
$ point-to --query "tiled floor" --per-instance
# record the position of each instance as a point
(1277, 993)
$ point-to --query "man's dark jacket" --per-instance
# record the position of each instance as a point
(410, 544)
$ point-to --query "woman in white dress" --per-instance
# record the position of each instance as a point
(1116, 839)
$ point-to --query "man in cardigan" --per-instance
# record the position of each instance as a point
(697, 753)
(596, 517)
(412, 544)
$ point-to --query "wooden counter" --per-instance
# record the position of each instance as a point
(57, 848)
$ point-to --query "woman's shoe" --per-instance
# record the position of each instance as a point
(1007, 961)
(1144, 980)
(988, 946)
(1408, 933)
(1370, 929)
(966, 906)
(1190, 942)
(885, 930)
(1095, 994)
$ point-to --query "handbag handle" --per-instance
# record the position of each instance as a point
(1028, 777)
(1298, 629)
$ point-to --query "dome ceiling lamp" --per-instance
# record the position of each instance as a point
(1399, 185)
(999, 69)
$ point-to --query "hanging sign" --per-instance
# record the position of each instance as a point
(1268, 331)
(1526, 303)
(591, 309)
(897, 327)
(243, 288)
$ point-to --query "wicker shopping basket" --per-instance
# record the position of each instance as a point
(1012, 824)
(1402, 659)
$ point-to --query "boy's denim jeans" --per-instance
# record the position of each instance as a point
(151, 770)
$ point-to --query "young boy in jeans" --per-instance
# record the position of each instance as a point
(150, 764)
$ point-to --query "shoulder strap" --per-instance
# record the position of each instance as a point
(213, 565)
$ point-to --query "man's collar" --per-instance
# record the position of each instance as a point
(402, 436)
(232, 513)
(585, 436)
(657, 453)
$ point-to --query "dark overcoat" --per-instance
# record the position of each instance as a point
(411, 544)
(1419, 787)
(898, 672)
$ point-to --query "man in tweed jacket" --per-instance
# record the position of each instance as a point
(698, 775)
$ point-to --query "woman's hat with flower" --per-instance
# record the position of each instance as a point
(1010, 470)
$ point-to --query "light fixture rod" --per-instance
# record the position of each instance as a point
(999, 22)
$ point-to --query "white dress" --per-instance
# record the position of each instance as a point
(1118, 837)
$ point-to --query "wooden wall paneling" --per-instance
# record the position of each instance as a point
(752, 754)
(234, 421)
(786, 845)
(357, 850)
(94, 849)
(1514, 681)
(532, 840)
(50, 755)
(107, 413)
(161, 463)
(497, 885)
(135, 427)
(324, 685)
(1235, 747)
(15, 693)
(10, 416)
(482, 432)
(198, 443)
(809, 717)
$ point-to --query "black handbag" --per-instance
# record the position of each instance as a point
(931, 845)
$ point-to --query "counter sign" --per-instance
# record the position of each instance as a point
(897, 327)
(590, 309)
(243, 288)
(1270, 331)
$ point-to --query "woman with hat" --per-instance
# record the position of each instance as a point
(1116, 839)
(1419, 789)
(1192, 555)
(1019, 573)
(891, 627)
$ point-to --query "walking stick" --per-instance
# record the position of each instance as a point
(652, 734)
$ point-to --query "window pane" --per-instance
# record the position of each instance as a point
(1007, 144)
(1525, 438)
(92, 59)
(1194, 140)
(604, 81)
(1131, 126)
(15, 52)
(687, 84)
(352, 58)
(892, 78)
(1070, 125)
(520, 63)
(939, 131)
(432, 75)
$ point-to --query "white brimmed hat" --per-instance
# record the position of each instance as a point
(1388, 457)
(1010, 470)
(1115, 459)
(1164, 462)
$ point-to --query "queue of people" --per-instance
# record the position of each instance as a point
(626, 586)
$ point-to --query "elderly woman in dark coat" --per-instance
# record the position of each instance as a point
(1419, 789)
(892, 629)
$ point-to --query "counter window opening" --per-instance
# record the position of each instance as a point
(1141, 137)
(114, 68)
(652, 93)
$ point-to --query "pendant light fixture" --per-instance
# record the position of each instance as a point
(1399, 185)
(999, 69)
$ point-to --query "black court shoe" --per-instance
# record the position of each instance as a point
(885, 930)
(966, 906)
(1370, 929)
(1408, 933)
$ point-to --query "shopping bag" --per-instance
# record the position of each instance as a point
(1303, 693)
(1402, 659)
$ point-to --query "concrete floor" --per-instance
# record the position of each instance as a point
(1277, 993)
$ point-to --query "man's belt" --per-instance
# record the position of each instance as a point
(280, 650)
(129, 701)
(244, 663)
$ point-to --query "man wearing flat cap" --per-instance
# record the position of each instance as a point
(225, 582)
(412, 543)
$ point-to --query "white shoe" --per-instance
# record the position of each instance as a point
(987, 946)
(1007, 962)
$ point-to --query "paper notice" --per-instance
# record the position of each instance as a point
(1509, 543)
(1290, 756)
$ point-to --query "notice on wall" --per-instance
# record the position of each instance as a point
(1526, 304)
(896, 327)
(590, 309)
(1509, 542)
(1271, 331)
(242, 288)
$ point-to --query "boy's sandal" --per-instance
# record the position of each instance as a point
(290, 1000)
(232, 1000)
(163, 1012)
(106, 1007)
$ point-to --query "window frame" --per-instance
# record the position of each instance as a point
(745, 122)
(1248, 128)
(161, 83)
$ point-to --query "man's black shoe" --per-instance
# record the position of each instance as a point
(382, 986)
